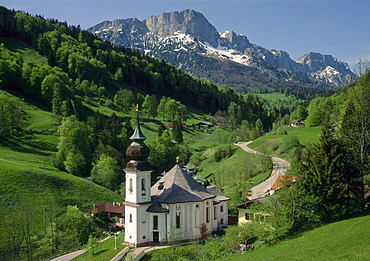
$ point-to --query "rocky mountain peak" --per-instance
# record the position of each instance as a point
(315, 62)
(189, 41)
(187, 22)
(236, 41)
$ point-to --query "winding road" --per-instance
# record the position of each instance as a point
(279, 168)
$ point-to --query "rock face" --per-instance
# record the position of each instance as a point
(188, 41)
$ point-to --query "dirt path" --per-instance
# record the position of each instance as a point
(279, 168)
(13, 162)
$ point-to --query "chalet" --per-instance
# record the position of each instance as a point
(204, 125)
(175, 207)
(297, 123)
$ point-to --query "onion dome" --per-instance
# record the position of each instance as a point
(137, 152)
(137, 149)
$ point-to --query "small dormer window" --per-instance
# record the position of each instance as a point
(160, 186)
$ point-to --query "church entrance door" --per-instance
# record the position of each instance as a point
(155, 237)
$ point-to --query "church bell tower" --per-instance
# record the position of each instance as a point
(138, 196)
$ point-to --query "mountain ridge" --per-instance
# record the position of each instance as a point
(190, 42)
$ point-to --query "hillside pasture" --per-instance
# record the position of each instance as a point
(270, 144)
(345, 240)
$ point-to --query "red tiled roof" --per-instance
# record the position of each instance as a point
(281, 179)
(109, 207)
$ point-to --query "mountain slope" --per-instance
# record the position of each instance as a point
(190, 42)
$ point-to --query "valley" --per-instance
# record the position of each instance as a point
(71, 104)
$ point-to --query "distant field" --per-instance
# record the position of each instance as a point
(272, 96)
(345, 240)
(270, 143)
(305, 135)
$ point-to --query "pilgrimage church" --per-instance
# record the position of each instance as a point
(173, 209)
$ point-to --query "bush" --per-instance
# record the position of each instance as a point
(224, 152)
(282, 132)
(289, 144)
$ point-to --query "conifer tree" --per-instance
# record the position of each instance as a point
(329, 174)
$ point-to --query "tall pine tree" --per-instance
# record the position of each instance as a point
(328, 173)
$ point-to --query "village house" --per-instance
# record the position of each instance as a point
(297, 123)
(280, 182)
(173, 209)
(113, 210)
(204, 125)
(246, 214)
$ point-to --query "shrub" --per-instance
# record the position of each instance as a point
(224, 152)
(290, 143)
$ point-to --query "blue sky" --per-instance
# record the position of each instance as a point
(337, 27)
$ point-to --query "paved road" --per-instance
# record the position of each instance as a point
(279, 168)
(69, 256)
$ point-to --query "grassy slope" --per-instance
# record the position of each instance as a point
(28, 182)
(345, 240)
(103, 251)
(270, 143)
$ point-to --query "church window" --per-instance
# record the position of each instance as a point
(178, 220)
(130, 219)
(143, 190)
(130, 186)
(197, 215)
(155, 222)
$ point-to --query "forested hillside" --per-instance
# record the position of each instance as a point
(74, 56)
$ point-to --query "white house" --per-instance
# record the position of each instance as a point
(173, 209)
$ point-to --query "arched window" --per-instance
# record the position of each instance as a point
(143, 190)
(130, 188)
(197, 215)
(178, 219)
(130, 218)
(178, 216)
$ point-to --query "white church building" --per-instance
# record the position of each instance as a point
(173, 209)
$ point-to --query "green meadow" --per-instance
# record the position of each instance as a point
(345, 240)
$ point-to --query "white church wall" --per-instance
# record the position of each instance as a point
(130, 224)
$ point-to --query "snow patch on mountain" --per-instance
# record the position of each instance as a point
(224, 53)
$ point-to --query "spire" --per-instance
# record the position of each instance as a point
(137, 135)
